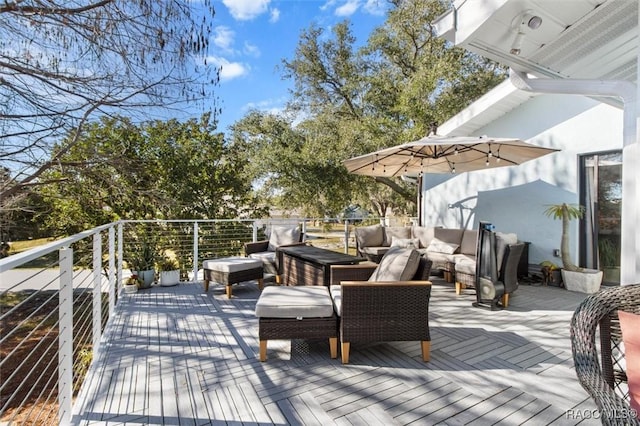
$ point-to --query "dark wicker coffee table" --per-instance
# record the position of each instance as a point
(309, 265)
(296, 313)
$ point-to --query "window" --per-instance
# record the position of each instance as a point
(601, 194)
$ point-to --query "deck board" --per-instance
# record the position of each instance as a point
(177, 355)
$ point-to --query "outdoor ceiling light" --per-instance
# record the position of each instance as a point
(532, 21)
(517, 44)
(527, 21)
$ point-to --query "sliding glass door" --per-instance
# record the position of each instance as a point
(601, 194)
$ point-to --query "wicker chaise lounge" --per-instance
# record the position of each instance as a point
(601, 368)
(381, 311)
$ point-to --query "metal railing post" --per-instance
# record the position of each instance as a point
(65, 338)
(196, 229)
(254, 225)
(97, 305)
(114, 280)
(346, 237)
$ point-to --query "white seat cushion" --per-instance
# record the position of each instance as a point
(336, 296)
(264, 256)
(294, 302)
(439, 246)
(466, 267)
(231, 264)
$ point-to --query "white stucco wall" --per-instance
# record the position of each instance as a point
(514, 198)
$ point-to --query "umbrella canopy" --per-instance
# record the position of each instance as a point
(445, 154)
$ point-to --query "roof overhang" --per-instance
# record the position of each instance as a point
(586, 39)
(502, 99)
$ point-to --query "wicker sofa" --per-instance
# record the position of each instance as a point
(443, 246)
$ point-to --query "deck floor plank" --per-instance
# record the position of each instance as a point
(178, 355)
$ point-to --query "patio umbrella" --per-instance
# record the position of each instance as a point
(445, 154)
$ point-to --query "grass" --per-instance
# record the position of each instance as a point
(24, 245)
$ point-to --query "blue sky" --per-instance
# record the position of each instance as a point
(252, 37)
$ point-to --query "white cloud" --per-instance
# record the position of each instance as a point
(267, 105)
(348, 9)
(375, 7)
(251, 50)
(229, 70)
(223, 37)
(329, 4)
(246, 10)
(275, 15)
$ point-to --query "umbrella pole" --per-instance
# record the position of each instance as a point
(419, 201)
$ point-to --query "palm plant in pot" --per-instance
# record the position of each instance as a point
(574, 277)
(141, 261)
(169, 271)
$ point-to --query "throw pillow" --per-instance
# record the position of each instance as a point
(395, 231)
(502, 241)
(405, 242)
(398, 264)
(438, 246)
(425, 235)
(369, 236)
(282, 235)
(449, 235)
(469, 242)
(630, 326)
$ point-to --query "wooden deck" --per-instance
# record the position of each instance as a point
(177, 356)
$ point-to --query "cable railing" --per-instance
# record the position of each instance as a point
(56, 300)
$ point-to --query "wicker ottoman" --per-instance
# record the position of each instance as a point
(232, 270)
(301, 312)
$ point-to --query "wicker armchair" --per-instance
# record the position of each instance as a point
(601, 369)
(382, 311)
(271, 259)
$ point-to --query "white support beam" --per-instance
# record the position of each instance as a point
(629, 93)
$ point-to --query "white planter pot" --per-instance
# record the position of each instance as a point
(130, 288)
(586, 281)
(169, 278)
(147, 277)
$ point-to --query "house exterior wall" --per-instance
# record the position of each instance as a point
(514, 198)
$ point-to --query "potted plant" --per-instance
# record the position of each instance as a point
(169, 271)
(551, 274)
(609, 256)
(574, 277)
(132, 284)
(142, 263)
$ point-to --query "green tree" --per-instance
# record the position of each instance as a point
(160, 170)
(62, 64)
(294, 166)
(357, 100)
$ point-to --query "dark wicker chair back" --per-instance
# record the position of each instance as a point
(509, 268)
(601, 370)
(494, 294)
